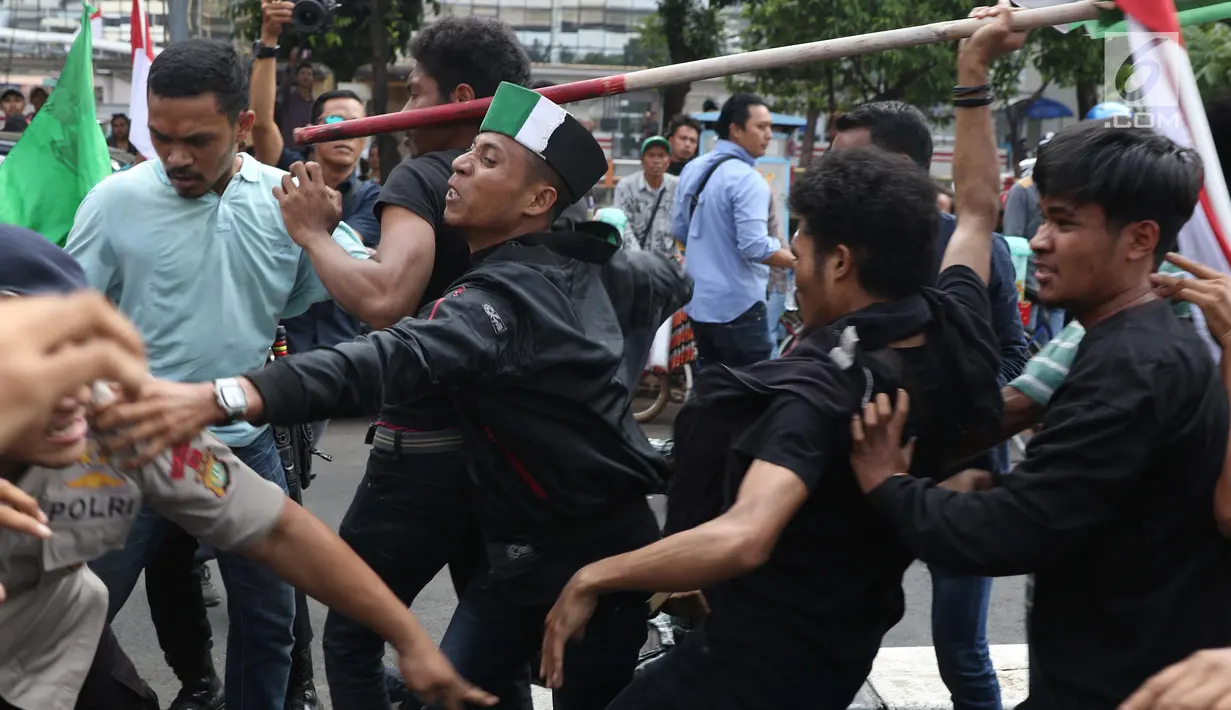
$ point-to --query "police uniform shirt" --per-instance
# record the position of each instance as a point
(56, 608)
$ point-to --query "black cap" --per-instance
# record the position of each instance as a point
(31, 265)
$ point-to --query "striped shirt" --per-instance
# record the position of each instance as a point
(1047, 369)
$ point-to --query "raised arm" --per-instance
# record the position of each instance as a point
(266, 138)
(976, 173)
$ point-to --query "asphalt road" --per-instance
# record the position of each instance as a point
(329, 498)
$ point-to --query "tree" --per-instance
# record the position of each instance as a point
(386, 144)
(1209, 49)
(539, 52)
(350, 42)
(374, 32)
(690, 30)
(648, 49)
(1070, 59)
(922, 75)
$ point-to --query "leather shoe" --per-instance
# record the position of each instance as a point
(302, 696)
(203, 694)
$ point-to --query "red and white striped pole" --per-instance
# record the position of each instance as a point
(702, 69)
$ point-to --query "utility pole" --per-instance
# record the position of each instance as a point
(557, 17)
(177, 18)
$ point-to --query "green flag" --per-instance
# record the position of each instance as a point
(1190, 12)
(62, 154)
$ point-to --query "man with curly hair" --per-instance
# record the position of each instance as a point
(802, 581)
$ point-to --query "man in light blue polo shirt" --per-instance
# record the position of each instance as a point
(194, 248)
(720, 215)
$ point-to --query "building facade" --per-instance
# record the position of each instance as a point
(569, 31)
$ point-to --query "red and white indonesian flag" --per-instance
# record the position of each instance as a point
(1175, 104)
(1163, 91)
(1163, 84)
(96, 24)
(143, 56)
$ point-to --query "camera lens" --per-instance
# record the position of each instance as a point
(308, 16)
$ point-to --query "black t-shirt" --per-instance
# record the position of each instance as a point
(131, 149)
(802, 630)
(1112, 509)
(676, 167)
(419, 184)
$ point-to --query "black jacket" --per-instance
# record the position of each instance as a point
(539, 346)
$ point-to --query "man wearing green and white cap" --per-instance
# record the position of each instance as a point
(537, 347)
(646, 197)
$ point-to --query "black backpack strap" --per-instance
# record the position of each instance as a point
(644, 238)
(696, 195)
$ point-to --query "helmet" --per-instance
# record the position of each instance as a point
(1107, 109)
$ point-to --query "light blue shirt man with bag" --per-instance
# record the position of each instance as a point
(720, 215)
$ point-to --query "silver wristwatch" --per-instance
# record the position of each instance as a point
(231, 397)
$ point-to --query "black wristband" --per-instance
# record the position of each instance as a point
(974, 101)
(969, 90)
(264, 51)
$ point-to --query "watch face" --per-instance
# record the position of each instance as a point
(232, 397)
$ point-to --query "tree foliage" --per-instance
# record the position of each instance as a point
(1209, 49)
(649, 47)
(1073, 59)
(348, 44)
(691, 30)
(921, 75)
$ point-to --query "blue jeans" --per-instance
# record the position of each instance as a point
(959, 634)
(775, 306)
(741, 342)
(260, 606)
(409, 519)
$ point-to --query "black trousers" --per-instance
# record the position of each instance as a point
(112, 682)
(491, 637)
(410, 517)
(177, 609)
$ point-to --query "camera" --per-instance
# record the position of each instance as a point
(313, 16)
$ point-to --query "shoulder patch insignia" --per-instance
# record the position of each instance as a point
(497, 321)
(216, 477)
(210, 472)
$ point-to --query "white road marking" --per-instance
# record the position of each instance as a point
(906, 678)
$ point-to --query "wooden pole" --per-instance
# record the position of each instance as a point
(703, 69)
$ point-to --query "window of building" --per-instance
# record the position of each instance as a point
(515, 16)
(592, 18)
